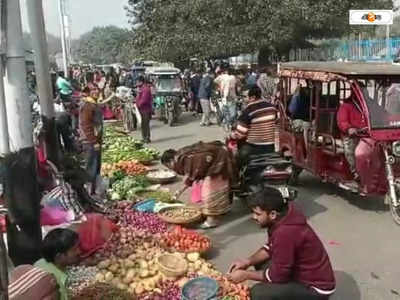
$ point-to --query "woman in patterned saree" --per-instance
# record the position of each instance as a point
(213, 166)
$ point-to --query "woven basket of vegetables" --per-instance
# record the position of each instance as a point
(171, 265)
(180, 215)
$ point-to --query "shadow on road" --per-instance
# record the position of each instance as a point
(170, 138)
(346, 287)
(314, 188)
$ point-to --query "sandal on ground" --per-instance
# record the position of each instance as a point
(207, 225)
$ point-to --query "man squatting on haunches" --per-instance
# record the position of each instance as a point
(293, 264)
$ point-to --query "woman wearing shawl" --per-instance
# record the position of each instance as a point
(212, 164)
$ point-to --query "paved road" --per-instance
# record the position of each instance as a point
(362, 240)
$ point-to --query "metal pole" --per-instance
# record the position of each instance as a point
(359, 46)
(388, 42)
(42, 65)
(4, 138)
(42, 68)
(19, 113)
(63, 37)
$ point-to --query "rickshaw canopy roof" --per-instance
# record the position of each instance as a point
(346, 69)
(163, 71)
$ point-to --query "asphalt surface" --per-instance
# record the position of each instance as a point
(359, 234)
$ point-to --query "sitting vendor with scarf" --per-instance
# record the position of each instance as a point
(212, 163)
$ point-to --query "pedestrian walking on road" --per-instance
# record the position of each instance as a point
(144, 102)
(204, 95)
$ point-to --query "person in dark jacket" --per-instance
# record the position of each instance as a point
(194, 88)
(144, 102)
(204, 95)
(296, 264)
(91, 131)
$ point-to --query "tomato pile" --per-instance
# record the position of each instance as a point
(184, 240)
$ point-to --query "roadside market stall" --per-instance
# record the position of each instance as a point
(145, 252)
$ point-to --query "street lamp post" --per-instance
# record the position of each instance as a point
(61, 9)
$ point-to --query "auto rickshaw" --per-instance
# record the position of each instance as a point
(168, 92)
(317, 145)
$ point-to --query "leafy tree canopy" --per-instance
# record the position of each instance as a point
(175, 30)
(104, 45)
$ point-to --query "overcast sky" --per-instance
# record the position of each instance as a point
(85, 14)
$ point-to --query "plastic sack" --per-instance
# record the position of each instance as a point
(138, 116)
(94, 233)
(196, 192)
(145, 206)
(51, 216)
(63, 197)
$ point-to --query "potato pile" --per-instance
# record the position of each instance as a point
(138, 273)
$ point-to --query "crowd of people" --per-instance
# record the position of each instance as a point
(293, 264)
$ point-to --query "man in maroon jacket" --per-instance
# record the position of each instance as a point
(297, 264)
(144, 102)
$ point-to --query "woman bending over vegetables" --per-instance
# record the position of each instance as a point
(213, 165)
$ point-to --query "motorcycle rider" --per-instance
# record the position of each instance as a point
(256, 127)
(350, 120)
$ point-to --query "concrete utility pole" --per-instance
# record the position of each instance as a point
(42, 69)
(22, 196)
(61, 8)
(4, 139)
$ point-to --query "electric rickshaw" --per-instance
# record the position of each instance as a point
(316, 145)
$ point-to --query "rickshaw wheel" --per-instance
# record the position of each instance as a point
(395, 211)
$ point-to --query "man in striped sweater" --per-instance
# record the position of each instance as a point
(256, 127)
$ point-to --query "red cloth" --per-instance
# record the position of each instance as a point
(350, 116)
(144, 99)
(94, 233)
(297, 254)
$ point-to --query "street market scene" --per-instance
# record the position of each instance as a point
(199, 150)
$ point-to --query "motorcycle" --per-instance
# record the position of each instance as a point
(263, 170)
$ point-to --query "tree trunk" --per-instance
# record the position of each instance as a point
(263, 56)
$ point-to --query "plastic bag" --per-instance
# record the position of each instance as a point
(138, 115)
(63, 197)
(102, 185)
(196, 192)
(51, 216)
(94, 233)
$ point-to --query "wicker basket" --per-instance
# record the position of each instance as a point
(171, 265)
(200, 288)
(196, 217)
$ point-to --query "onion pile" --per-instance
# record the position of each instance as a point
(146, 222)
